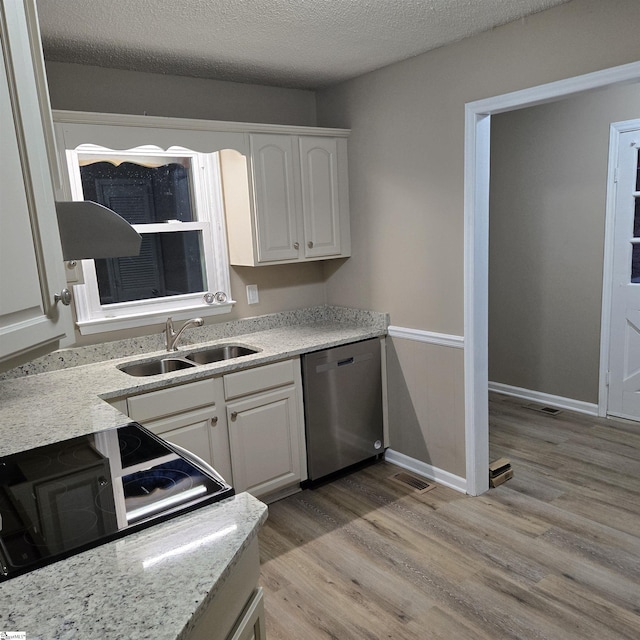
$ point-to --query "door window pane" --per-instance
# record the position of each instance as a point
(638, 171)
(636, 220)
(635, 263)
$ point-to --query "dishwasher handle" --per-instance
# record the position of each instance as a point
(329, 366)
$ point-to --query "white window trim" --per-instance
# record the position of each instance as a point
(92, 317)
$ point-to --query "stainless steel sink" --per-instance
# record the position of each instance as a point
(216, 354)
(166, 364)
(155, 367)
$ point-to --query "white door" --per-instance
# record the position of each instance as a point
(624, 343)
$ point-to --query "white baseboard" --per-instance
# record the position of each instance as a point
(428, 471)
(545, 398)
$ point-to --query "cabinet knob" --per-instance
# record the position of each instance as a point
(64, 296)
(234, 415)
(296, 245)
(214, 421)
(310, 244)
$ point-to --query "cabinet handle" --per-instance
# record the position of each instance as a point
(296, 245)
(234, 415)
(64, 296)
(310, 244)
(214, 421)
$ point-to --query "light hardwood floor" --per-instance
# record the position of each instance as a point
(552, 554)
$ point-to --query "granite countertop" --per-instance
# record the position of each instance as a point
(153, 584)
(113, 591)
(51, 406)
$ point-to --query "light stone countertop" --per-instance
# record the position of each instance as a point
(49, 407)
(152, 585)
(107, 592)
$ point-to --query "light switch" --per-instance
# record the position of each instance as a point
(252, 294)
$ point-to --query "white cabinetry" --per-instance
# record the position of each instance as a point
(275, 197)
(237, 609)
(322, 203)
(249, 425)
(31, 265)
(251, 625)
(297, 208)
(266, 428)
(189, 416)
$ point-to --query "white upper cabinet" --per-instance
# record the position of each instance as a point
(32, 322)
(276, 198)
(320, 197)
(297, 205)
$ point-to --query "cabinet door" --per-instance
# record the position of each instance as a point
(272, 158)
(31, 265)
(264, 438)
(201, 432)
(252, 624)
(320, 196)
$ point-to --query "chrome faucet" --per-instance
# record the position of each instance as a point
(172, 336)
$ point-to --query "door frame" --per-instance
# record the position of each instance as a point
(615, 131)
(476, 247)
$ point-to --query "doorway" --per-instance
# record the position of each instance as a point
(620, 349)
(548, 196)
(477, 161)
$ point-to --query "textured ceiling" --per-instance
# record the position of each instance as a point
(292, 43)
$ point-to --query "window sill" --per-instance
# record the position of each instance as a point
(103, 325)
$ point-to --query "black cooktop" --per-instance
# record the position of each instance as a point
(63, 498)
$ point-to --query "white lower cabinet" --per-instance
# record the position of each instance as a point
(249, 425)
(264, 441)
(252, 624)
(189, 416)
(236, 612)
(266, 428)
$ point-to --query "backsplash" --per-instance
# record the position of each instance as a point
(76, 356)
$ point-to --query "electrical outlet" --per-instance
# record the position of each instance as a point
(252, 294)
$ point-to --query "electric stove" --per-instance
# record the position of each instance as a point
(64, 498)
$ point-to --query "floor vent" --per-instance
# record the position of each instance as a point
(419, 485)
(550, 411)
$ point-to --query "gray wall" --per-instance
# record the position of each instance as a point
(406, 159)
(83, 88)
(547, 214)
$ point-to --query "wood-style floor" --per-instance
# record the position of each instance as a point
(554, 553)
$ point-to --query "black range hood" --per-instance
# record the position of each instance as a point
(89, 230)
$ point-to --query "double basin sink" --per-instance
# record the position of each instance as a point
(168, 363)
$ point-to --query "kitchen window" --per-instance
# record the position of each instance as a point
(173, 198)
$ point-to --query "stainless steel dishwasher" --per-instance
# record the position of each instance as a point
(342, 406)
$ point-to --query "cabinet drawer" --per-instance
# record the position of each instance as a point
(269, 376)
(165, 402)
